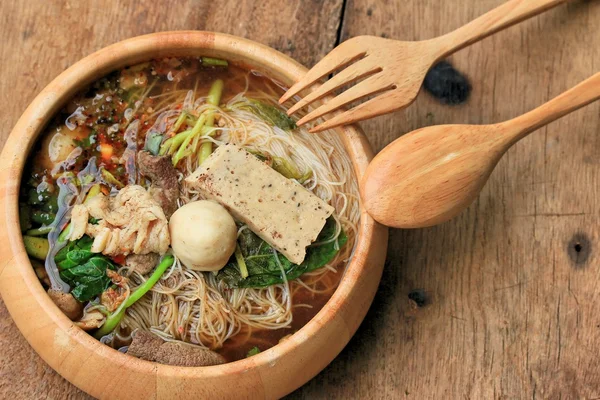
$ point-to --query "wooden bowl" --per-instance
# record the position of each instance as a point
(106, 373)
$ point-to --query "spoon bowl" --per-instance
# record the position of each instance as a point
(438, 172)
(430, 175)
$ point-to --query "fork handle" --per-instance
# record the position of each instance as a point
(567, 102)
(508, 14)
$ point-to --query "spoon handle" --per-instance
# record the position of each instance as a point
(503, 16)
(574, 98)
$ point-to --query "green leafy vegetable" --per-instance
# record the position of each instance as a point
(171, 145)
(115, 318)
(196, 130)
(271, 114)
(262, 262)
(214, 98)
(253, 351)
(83, 270)
(284, 166)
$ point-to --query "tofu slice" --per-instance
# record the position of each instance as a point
(282, 212)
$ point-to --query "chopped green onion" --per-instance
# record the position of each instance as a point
(253, 351)
(215, 62)
(190, 120)
(194, 132)
(180, 120)
(171, 145)
(214, 98)
(115, 318)
(215, 92)
(205, 152)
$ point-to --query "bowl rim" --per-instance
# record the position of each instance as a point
(372, 236)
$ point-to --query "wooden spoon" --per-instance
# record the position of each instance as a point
(430, 175)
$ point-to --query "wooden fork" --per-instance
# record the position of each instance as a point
(394, 70)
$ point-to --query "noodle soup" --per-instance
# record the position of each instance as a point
(116, 225)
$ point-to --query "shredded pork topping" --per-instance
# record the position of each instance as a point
(132, 222)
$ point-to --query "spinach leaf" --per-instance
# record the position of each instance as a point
(85, 243)
(83, 270)
(261, 261)
(271, 114)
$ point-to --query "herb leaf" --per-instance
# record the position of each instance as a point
(271, 114)
(263, 268)
(83, 270)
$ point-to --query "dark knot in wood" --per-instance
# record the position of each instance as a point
(579, 249)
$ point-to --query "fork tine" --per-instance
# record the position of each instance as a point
(373, 84)
(355, 71)
(339, 57)
(382, 104)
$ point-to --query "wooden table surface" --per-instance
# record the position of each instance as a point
(511, 286)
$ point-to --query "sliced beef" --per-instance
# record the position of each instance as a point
(150, 347)
(165, 186)
(182, 355)
(67, 303)
(144, 345)
(142, 263)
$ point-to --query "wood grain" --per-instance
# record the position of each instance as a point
(391, 72)
(97, 369)
(43, 38)
(510, 305)
(432, 174)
